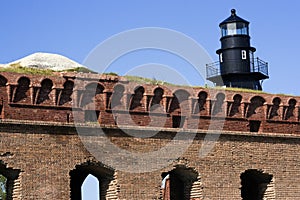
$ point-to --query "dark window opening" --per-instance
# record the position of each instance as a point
(256, 103)
(254, 184)
(217, 108)
(275, 108)
(173, 187)
(91, 115)
(156, 100)
(117, 95)
(22, 89)
(101, 178)
(235, 105)
(200, 105)
(44, 92)
(179, 102)
(289, 111)
(181, 184)
(254, 126)
(178, 121)
(92, 95)
(8, 178)
(136, 98)
(66, 93)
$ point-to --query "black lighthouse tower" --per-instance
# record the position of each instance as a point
(237, 66)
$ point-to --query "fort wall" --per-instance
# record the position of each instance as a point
(43, 157)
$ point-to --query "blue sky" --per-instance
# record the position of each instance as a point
(74, 28)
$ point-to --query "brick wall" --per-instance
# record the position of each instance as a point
(46, 156)
(43, 156)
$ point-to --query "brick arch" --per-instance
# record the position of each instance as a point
(256, 107)
(218, 104)
(104, 174)
(234, 107)
(289, 110)
(201, 105)
(92, 96)
(116, 99)
(22, 93)
(274, 109)
(66, 93)
(136, 100)
(181, 183)
(44, 93)
(179, 101)
(156, 100)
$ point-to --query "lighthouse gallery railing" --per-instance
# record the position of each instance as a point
(256, 65)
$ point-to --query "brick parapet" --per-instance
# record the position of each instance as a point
(116, 101)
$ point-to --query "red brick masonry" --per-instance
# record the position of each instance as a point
(43, 157)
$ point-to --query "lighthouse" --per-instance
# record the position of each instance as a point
(237, 67)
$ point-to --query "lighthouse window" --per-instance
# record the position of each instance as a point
(244, 54)
(221, 57)
(235, 28)
(231, 28)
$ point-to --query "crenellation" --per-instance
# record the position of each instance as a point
(51, 98)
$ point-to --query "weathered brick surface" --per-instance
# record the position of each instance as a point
(39, 141)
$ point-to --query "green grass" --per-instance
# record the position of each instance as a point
(110, 73)
(143, 80)
(240, 90)
(79, 69)
(17, 68)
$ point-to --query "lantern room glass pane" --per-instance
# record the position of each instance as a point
(234, 28)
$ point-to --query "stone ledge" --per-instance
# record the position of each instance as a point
(72, 126)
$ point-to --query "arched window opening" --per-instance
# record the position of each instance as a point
(156, 99)
(255, 183)
(289, 111)
(90, 188)
(22, 91)
(181, 184)
(44, 92)
(116, 98)
(235, 105)
(136, 98)
(92, 95)
(200, 105)
(275, 108)
(66, 93)
(179, 101)
(254, 108)
(92, 178)
(218, 105)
